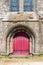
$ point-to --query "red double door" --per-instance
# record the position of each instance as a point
(21, 44)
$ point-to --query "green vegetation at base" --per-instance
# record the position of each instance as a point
(31, 56)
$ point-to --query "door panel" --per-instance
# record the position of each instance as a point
(21, 45)
(25, 46)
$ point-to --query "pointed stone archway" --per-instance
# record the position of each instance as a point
(26, 35)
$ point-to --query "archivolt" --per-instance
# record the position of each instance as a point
(15, 29)
(20, 28)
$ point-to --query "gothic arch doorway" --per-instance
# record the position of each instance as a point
(20, 40)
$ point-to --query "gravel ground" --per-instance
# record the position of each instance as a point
(21, 61)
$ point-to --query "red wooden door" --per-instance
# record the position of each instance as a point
(21, 45)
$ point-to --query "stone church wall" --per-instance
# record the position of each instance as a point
(36, 26)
